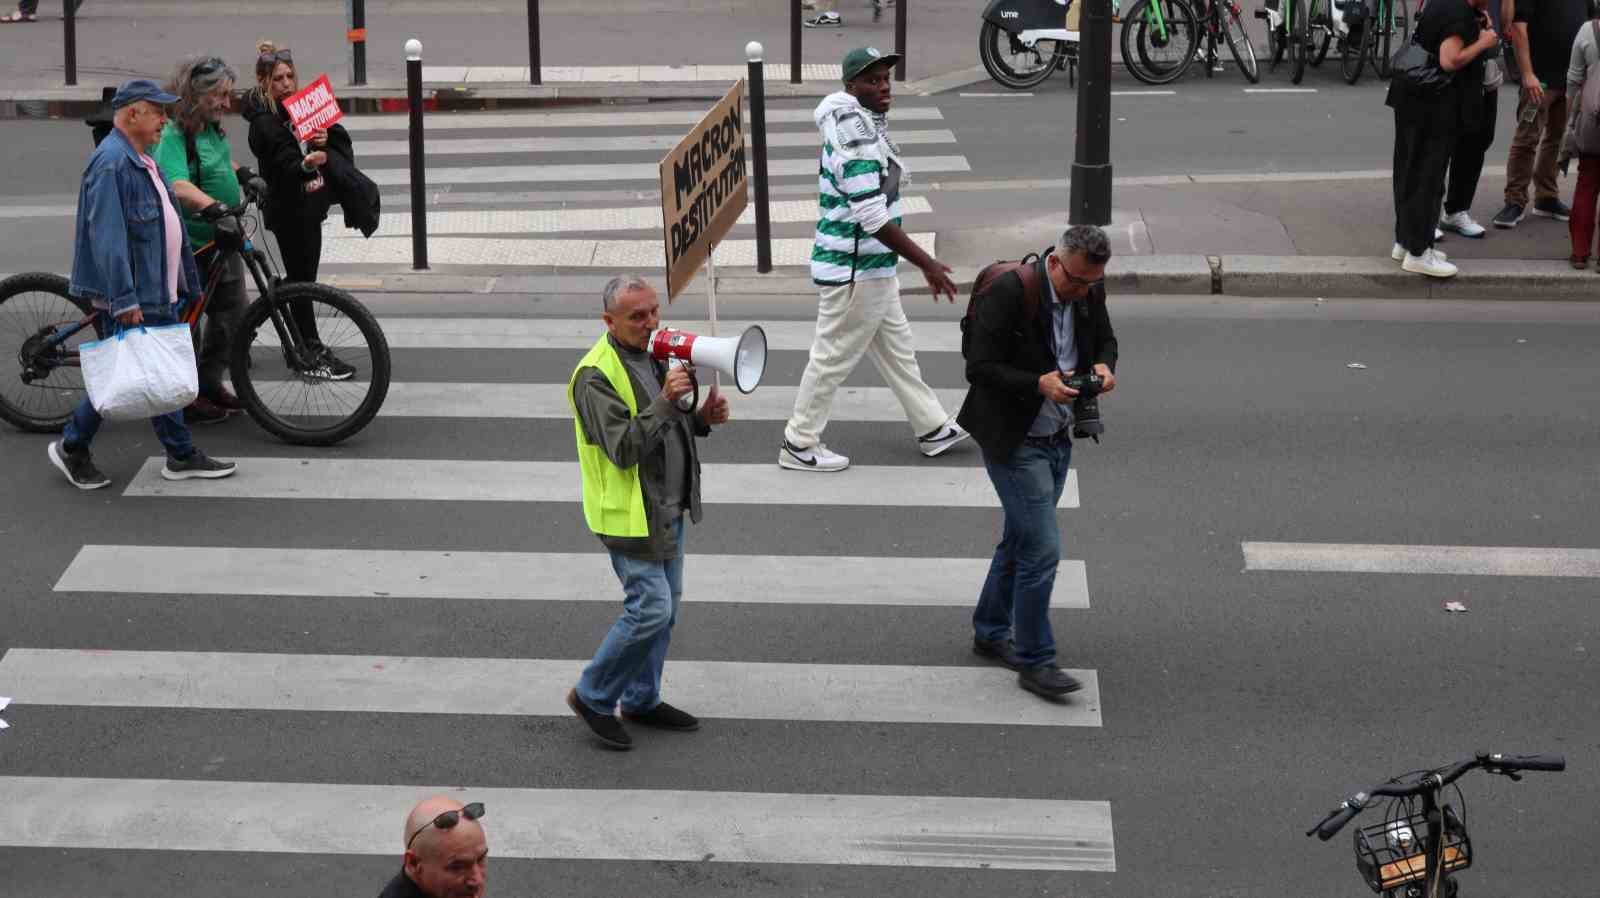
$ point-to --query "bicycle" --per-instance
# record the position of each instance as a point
(1391, 19)
(321, 399)
(1293, 30)
(1160, 40)
(1222, 18)
(1393, 860)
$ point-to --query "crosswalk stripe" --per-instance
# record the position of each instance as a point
(408, 399)
(839, 693)
(504, 252)
(580, 334)
(616, 143)
(516, 221)
(620, 171)
(451, 480)
(612, 121)
(1492, 561)
(543, 577)
(568, 824)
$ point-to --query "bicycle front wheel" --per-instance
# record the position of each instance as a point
(1012, 63)
(46, 384)
(1395, 27)
(1299, 40)
(1353, 52)
(1244, 52)
(310, 364)
(1159, 51)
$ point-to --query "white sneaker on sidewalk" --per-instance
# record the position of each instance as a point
(947, 435)
(1430, 264)
(1399, 253)
(811, 458)
(1462, 224)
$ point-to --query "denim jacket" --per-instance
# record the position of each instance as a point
(119, 257)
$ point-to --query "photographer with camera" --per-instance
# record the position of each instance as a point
(1036, 363)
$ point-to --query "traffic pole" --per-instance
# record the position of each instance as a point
(69, 40)
(758, 144)
(357, 35)
(419, 187)
(794, 41)
(534, 75)
(900, 38)
(1091, 165)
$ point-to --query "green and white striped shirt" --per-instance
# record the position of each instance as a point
(857, 165)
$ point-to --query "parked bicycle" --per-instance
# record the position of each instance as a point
(1223, 22)
(1420, 843)
(309, 363)
(1021, 42)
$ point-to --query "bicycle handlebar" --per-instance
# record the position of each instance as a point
(1438, 778)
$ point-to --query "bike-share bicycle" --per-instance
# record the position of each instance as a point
(309, 362)
(1021, 42)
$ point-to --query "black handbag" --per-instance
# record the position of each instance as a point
(1419, 71)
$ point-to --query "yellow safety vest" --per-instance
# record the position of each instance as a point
(613, 502)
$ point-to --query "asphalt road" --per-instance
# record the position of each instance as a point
(1238, 705)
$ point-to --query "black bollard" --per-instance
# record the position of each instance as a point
(358, 42)
(419, 186)
(794, 41)
(900, 38)
(534, 75)
(69, 40)
(758, 144)
(1091, 165)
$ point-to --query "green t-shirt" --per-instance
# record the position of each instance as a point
(216, 175)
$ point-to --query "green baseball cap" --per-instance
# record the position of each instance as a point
(863, 58)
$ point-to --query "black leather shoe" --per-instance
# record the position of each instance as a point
(1047, 680)
(665, 717)
(606, 728)
(1002, 650)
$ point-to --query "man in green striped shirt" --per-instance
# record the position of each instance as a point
(858, 248)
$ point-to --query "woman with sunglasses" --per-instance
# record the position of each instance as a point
(298, 196)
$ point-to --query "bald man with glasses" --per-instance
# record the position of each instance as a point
(446, 852)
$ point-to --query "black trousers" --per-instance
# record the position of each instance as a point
(1421, 154)
(1466, 161)
(301, 245)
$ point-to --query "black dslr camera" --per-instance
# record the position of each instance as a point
(1086, 405)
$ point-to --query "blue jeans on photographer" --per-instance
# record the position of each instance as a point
(1015, 600)
(85, 421)
(627, 666)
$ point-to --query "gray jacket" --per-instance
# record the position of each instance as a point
(1585, 64)
(642, 440)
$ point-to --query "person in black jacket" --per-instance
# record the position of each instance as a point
(1019, 410)
(298, 195)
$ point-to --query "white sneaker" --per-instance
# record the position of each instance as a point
(949, 434)
(811, 458)
(1399, 253)
(824, 20)
(1430, 264)
(1462, 224)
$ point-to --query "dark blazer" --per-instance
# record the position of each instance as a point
(1008, 353)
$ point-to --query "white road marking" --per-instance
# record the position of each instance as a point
(618, 143)
(1144, 93)
(566, 824)
(613, 121)
(453, 480)
(1025, 93)
(1279, 90)
(1491, 561)
(541, 577)
(621, 171)
(611, 254)
(361, 684)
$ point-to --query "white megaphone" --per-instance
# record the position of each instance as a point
(744, 358)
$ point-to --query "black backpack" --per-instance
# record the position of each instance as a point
(1032, 290)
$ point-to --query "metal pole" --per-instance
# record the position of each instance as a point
(69, 39)
(419, 187)
(534, 66)
(900, 38)
(758, 144)
(1091, 165)
(794, 41)
(358, 42)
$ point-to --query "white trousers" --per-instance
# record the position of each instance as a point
(864, 318)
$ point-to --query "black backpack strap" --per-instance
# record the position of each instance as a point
(193, 153)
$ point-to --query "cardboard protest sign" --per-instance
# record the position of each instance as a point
(312, 108)
(703, 188)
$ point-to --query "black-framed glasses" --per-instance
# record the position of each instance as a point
(1076, 281)
(276, 56)
(449, 819)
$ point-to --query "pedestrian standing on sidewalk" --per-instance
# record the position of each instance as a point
(446, 854)
(1426, 126)
(194, 155)
(1479, 109)
(858, 248)
(1583, 140)
(28, 11)
(1543, 32)
(130, 261)
(1020, 412)
(641, 476)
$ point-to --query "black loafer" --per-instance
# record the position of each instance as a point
(606, 728)
(664, 717)
(1001, 650)
(1047, 680)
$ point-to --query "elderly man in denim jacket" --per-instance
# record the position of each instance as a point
(130, 260)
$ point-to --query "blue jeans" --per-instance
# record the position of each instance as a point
(1015, 601)
(85, 421)
(627, 666)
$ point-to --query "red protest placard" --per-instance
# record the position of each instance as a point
(313, 108)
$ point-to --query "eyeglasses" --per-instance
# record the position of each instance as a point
(209, 67)
(449, 819)
(1076, 281)
(276, 56)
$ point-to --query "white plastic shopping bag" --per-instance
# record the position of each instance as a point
(141, 372)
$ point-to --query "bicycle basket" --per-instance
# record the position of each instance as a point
(1389, 854)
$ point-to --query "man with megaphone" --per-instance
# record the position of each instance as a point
(641, 473)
